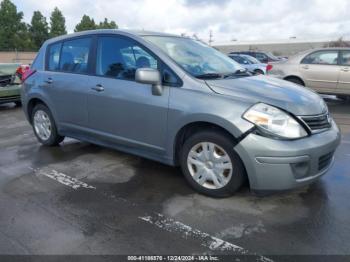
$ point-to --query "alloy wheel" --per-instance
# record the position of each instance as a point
(42, 125)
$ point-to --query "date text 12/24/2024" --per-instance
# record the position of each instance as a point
(174, 258)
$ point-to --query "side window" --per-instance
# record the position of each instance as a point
(144, 59)
(321, 58)
(345, 58)
(54, 57)
(119, 57)
(75, 55)
(261, 57)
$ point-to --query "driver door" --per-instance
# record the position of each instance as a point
(120, 109)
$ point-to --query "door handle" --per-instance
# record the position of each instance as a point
(49, 81)
(305, 67)
(98, 88)
(345, 69)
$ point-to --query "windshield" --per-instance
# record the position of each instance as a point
(251, 59)
(196, 58)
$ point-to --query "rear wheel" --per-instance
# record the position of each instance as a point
(44, 126)
(295, 80)
(210, 164)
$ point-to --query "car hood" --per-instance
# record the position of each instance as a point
(293, 98)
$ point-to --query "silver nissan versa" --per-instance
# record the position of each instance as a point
(178, 101)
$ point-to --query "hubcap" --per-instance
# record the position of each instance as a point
(42, 125)
(209, 165)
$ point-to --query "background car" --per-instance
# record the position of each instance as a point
(326, 70)
(10, 82)
(263, 57)
(251, 63)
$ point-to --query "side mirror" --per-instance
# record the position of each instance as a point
(150, 76)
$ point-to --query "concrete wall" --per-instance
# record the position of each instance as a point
(20, 57)
(283, 49)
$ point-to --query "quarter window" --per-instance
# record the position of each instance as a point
(75, 55)
(119, 57)
(321, 58)
(54, 57)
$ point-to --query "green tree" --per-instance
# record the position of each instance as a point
(57, 23)
(38, 30)
(107, 25)
(13, 32)
(86, 23)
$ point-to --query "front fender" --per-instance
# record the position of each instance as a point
(189, 106)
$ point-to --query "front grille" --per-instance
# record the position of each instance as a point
(9, 99)
(5, 80)
(316, 123)
(324, 161)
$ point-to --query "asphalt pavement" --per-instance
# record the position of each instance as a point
(84, 199)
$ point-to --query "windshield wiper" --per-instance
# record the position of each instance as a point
(238, 72)
(209, 76)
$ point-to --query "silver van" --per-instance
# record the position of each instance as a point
(180, 102)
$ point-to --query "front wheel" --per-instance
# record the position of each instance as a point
(44, 126)
(343, 97)
(210, 164)
(258, 72)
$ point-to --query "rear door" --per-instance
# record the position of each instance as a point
(344, 75)
(67, 80)
(320, 70)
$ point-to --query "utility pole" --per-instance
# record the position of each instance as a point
(211, 37)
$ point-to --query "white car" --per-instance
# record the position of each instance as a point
(326, 70)
(252, 64)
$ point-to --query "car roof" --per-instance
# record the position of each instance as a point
(110, 31)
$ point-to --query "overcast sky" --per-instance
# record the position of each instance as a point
(228, 19)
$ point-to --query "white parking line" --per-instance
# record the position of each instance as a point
(211, 242)
(63, 179)
(159, 220)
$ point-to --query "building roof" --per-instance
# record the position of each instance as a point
(276, 41)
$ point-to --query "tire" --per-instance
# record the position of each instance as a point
(343, 97)
(18, 103)
(40, 114)
(223, 148)
(295, 81)
(258, 72)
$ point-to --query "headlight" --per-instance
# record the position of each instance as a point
(274, 121)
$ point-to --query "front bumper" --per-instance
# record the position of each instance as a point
(10, 93)
(274, 165)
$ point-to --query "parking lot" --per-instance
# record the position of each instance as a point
(84, 199)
